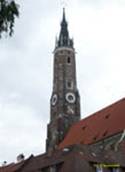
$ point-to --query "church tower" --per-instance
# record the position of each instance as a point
(65, 100)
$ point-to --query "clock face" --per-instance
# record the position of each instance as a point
(54, 99)
(70, 97)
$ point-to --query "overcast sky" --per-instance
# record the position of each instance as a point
(26, 67)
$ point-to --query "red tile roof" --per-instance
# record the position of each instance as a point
(11, 167)
(102, 124)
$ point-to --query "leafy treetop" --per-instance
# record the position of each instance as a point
(8, 12)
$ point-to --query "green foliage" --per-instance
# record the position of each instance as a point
(8, 12)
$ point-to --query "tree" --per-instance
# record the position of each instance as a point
(8, 12)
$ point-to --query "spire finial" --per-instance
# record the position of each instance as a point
(64, 14)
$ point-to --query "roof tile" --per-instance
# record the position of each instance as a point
(102, 124)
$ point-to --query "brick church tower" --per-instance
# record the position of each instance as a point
(65, 99)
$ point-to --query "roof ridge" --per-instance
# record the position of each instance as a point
(108, 106)
(98, 126)
(24, 164)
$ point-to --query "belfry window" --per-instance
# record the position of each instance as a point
(68, 60)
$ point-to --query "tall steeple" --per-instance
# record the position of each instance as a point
(64, 39)
(65, 100)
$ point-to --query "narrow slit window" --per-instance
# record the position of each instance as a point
(69, 84)
(68, 60)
